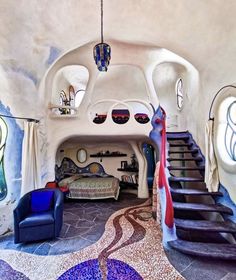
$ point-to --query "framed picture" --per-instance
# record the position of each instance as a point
(123, 164)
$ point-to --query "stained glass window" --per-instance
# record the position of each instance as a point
(179, 93)
(230, 131)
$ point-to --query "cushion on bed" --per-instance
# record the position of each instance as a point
(66, 181)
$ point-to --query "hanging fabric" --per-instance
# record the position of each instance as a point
(31, 178)
(211, 168)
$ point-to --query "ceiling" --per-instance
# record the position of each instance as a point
(196, 30)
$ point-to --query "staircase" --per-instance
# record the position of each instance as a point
(200, 222)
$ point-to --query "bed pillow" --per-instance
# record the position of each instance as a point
(41, 201)
(66, 181)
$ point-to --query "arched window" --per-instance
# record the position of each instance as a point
(230, 130)
(179, 93)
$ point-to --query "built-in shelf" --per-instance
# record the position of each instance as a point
(128, 169)
(108, 155)
(127, 184)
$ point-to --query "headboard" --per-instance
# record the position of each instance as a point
(68, 168)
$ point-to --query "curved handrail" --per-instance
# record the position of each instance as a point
(213, 100)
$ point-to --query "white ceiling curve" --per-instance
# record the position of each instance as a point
(198, 31)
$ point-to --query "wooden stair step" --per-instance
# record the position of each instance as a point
(208, 226)
(201, 168)
(185, 179)
(186, 159)
(180, 145)
(177, 137)
(209, 250)
(184, 152)
(202, 207)
(177, 132)
(194, 192)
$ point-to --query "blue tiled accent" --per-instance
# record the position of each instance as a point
(7, 272)
(68, 167)
(227, 201)
(89, 270)
(53, 55)
(12, 154)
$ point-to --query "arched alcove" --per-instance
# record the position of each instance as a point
(167, 77)
(68, 88)
(120, 82)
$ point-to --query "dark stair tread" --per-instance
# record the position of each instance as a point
(186, 168)
(180, 145)
(202, 207)
(210, 250)
(186, 159)
(208, 226)
(194, 192)
(177, 137)
(177, 132)
(185, 179)
(184, 152)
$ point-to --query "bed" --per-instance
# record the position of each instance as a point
(90, 182)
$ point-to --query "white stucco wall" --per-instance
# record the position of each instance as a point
(35, 33)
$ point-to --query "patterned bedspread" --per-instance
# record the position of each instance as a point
(94, 188)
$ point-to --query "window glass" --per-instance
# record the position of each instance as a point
(179, 94)
(230, 131)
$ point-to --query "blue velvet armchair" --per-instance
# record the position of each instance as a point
(38, 215)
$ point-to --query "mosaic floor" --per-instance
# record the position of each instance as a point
(83, 224)
(130, 248)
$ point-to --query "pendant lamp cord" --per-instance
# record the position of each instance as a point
(102, 20)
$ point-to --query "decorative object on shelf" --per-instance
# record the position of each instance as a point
(68, 100)
(128, 169)
(81, 155)
(134, 163)
(123, 164)
(108, 154)
(102, 51)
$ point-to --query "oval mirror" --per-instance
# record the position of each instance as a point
(81, 155)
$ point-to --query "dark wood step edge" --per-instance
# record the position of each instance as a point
(194, 192)
(202, 207)
(208, 226)
(210, 250)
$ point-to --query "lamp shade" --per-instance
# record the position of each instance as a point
(102, 56)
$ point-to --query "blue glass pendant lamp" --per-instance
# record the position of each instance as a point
(102, 51)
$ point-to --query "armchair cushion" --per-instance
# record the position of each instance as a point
(37, 219)
(41, 201)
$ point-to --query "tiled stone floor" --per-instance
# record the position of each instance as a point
(196, 268)
(83, 224)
